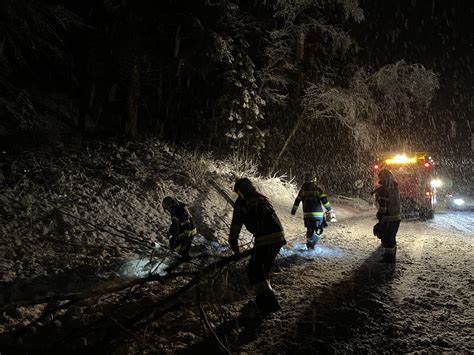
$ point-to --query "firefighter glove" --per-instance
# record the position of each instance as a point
(379, 216)
(235, 249)
(378, 230)
(293, 211)
(331, 216)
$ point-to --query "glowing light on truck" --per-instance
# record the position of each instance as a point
(401, 159)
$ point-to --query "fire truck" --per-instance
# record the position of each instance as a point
(414, 174)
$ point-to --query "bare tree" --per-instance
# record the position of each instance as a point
(370, 106)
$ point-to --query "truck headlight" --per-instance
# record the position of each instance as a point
(436, 183)
(458, 201)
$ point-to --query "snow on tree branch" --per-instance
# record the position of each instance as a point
(394, 93)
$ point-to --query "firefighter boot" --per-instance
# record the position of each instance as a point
(388, 255)
(267, 303)
(249, 311)
(315, 238)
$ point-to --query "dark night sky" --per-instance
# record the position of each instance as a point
(438, 34)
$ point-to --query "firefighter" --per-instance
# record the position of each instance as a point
(182, 229)
(255, 211)
(314, 203)
(387, 196)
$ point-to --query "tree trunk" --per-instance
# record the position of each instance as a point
(300, 46)
(295, 129)
(133, 100)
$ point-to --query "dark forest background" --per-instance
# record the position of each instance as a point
(294, 85)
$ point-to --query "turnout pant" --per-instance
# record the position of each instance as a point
(388, 236)
(181, 245)
(261, 261)
(312, 225)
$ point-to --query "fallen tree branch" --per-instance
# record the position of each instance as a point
(208, 324)
(119, 234)
(125, 237)
(166, 304)
(222, 192)
(100, 290)
(131, 334)
(343, 197)
(45, 314)
(211, 330)
(47, 214)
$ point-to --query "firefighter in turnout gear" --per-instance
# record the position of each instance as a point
(314, 203)
(387, 196)
(255, 211)
(182, 229)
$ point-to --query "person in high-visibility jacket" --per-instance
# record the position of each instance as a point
(387, 196)
(182, 229)
(255, 211)
(314, 203)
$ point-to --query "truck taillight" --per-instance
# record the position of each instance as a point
(426, 165)
(428, 193)
(376, 167)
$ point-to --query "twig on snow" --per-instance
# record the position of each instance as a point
(211, 330)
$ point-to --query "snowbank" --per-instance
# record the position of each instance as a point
(79, 218)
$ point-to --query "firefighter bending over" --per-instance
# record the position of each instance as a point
(182, 229)
(255, 211)
(314, 203)
(388, 200)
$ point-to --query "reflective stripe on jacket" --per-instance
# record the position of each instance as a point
(313, 201)
(388, 201)
(259, 218)
(182, 225)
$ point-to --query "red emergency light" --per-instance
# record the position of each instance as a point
(426, 165)
(428, 193)
(376, 167)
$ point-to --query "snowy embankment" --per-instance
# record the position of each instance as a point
(73, 219)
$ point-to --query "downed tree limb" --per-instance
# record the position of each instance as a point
(169, 302)
(131, 334)
(100, 290)
(209, 326)
(222, 192)
(97, 291)
(212, 331)
(163, 306)
(48, 214)
(125, 237)
(344, 197)
(46, 313)
(119, 234)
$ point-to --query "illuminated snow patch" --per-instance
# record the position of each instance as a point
(211, 245)
(143, 268)
(299, 249)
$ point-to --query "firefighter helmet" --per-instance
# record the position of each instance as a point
(385, 173)
(169, 202)
(243, 185)
(385, 177)
(309, 176)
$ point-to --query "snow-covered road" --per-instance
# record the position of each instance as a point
(341, 299)
(455, 221)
